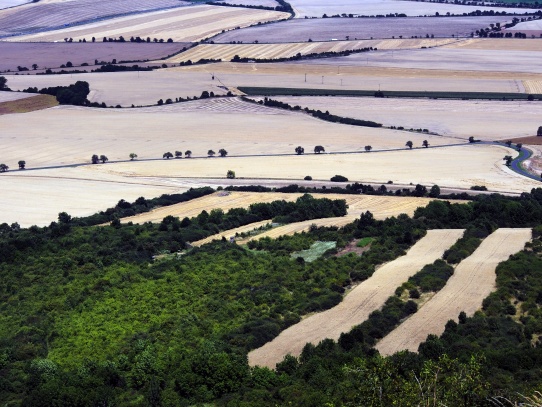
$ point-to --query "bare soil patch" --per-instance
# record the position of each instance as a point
(29, 104)
(52, 55)
(185, 24)
(352, 247)
(368, 296)
(531, 140)
(472, 281)
(326, 29)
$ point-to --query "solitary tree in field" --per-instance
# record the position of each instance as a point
(22, 164)
(188, 153)
(519, 146)
(471, 139)
(95, 159)
(230, 174)
(167, 155)
(368, 148)
(3, 168)
(509, 143)
(507, 160)
(178, 154)
(103, 159)
(319, 149)
(409, 144)
(222, 152)
(211, 153)
(133, 156)
(34, 66)
(299, 150)
(3, 82)
(539, 132)
(425, 143)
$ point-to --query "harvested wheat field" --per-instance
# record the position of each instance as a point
(347, 73)
(481, 119)
(185, 24)
(29, 104)
(380, 206)
(45, 16)
(355, 308)
(37, 197)
(533, 86)
(453, 167)
(265, 3)
(232, 232)
(326, 29)
(472, 281)
(507, 44)
(71, 135)
(316, 8)
(9, 96)
(226, 52)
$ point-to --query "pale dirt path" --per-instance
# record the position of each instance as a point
(232, 232)
(473, 280)
(355, 308)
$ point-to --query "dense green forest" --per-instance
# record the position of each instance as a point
(125, 315)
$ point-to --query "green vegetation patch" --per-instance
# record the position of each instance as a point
(315, 251)
(365, 242)
(264, 91)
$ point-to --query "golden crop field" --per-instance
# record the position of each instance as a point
(472, 281)
(367, 297)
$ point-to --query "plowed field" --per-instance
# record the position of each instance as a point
(368, 296)
(472, 281)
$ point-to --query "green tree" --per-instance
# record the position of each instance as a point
(34, 66)
(3, 82)
(508, 143)
(425, 143)
(103, 159)
(519, 146)
(178, 154)
(471, 139)
(538, 133)
(188, 153)
(299, 150)
(368, 148)
(409, 144)
(508, 160)
(167, 155)
(222, 152)
(230, 174)
(22, 164)
(133, 156)
(434, 192)
(3, 168)
(319, 149)
(211, 153)
(95, 159)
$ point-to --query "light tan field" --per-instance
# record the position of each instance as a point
(380, 206)
(143, 88)
(472, 281)
(186, 24)
(533, 86)
(360, 74)
(37, 197)
(232, 232)
(482, 119)
(454, 167)
(316, 8)
(69, 135)
(499, 44)
(355, 308)
(533, 25)
(226, 52)
(9, 96)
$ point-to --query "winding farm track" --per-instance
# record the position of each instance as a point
(355, 308)
(473, 280)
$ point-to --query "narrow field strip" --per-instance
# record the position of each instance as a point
(380, 206)
(473, 280)
(232, 232)
(355, 308)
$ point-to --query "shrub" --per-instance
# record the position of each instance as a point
(339, 178)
